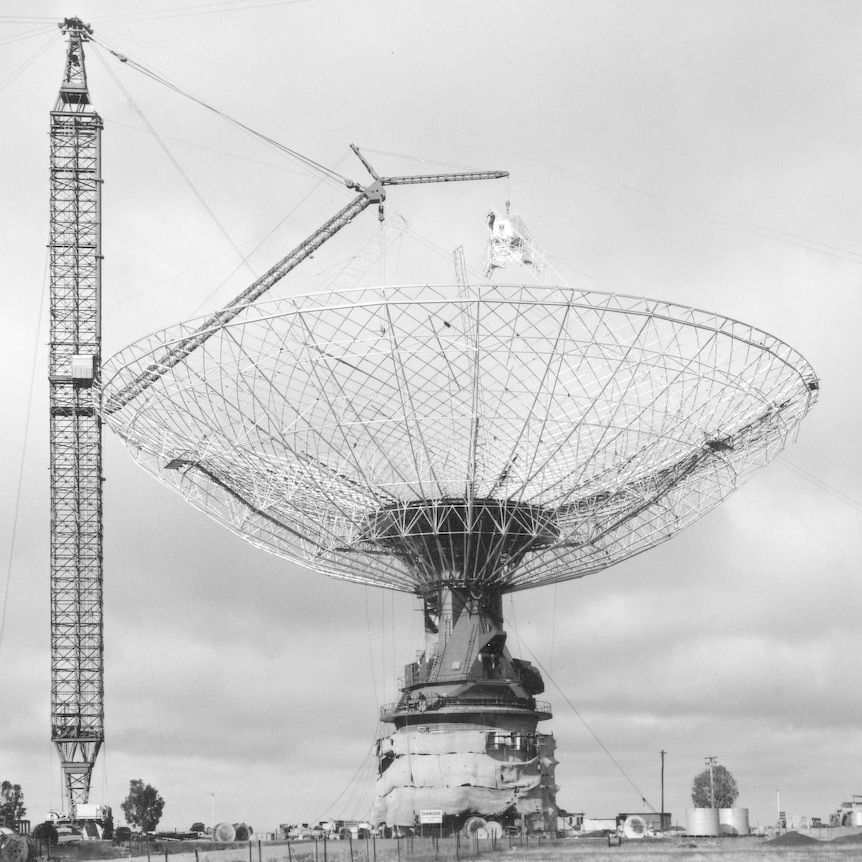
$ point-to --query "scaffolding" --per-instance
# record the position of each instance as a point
(77, 679)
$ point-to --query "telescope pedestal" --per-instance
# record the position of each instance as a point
(465, 740)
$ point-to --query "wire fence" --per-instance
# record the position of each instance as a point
(415, 848)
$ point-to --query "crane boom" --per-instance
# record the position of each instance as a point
(373, 193)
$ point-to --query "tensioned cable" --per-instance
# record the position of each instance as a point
(203, 9)
(199, 146)
(371, 650)
(23, 455)
(578, 714)
(35, 56)
(140, 67)
(721, 218)
(353, 778)
(28, 19)
(824, 486)
(38, 31)
(186, 178)
(288, 215)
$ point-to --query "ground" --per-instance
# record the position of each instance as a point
(836, 844)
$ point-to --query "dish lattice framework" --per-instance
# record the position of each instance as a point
(348, 431)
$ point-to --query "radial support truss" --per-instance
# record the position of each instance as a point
(479, 436)
(77, 687)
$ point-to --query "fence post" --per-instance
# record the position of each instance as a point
(397, 846)
(350, 839)
(374, 846)
(289, 854)
(259, 850)
(324, 847)
(197, 858)
(249, 851)
(148, 848)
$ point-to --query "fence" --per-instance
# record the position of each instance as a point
(371, 849)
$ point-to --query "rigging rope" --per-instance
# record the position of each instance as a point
(35, 56)
(38, 31)
(178, 167)
(23, 455)
(305, 160)
(578, 714)
(203, 9)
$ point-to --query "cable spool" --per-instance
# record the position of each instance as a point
(472, 825)
(634, 827)
(494, 829)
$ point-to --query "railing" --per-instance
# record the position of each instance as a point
(389, 710)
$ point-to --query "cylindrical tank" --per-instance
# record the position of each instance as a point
(856, 818)
(701, 821)
(224, 832)
(733, 821)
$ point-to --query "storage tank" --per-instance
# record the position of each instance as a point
(856, 818)
(701, 821)
(733, 821)
(224, 832)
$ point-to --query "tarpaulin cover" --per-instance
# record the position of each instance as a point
(457, 770)
(414, 742)
(398, 807)
(461, 771)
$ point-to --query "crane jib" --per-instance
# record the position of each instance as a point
(373, 193)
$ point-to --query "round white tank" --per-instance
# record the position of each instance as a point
(856, 818)
(701, 821)
(733, 821)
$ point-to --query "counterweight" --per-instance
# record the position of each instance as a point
(77, 687)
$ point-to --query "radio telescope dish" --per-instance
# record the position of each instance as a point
(459, 443)
(502, 438)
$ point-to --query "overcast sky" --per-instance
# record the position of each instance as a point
(700, 152)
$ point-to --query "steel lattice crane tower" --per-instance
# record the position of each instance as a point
(77, 680)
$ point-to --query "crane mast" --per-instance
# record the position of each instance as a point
(77, 678)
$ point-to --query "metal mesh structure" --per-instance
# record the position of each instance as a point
(489, 437)
(77, 687)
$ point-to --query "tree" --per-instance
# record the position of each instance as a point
(197, 826)
(726, 790)
(11, 802)
(143, 806)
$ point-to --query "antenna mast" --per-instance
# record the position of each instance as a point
(77, 679)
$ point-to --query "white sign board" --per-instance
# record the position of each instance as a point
(431, 815)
